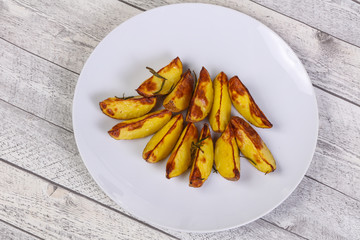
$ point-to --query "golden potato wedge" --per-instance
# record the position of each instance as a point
(161, 144)
(142, 126)
(203, 158)
(180, 159)
(202, 99)
(220, 112)
(227, 157)
(163, 81)
(252, 146)
(179, 99)
(127, 108)
(245, 104)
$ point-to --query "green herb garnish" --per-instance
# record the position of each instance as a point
(153, 72)
(123, 97)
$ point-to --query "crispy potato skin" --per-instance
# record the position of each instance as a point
(152, 86)
(179, 99)
(202, 99)
(220, 112)
(227, 158)
(129, 108)
(252, 146)
(161, 144)
(142, 126)
(180, 158)
(203, 159)
(245, 104)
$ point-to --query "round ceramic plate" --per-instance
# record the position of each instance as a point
(220, 39)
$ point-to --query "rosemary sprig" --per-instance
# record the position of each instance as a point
(123, 97)
(195, 146)
(214, 169)
(153, 72)
(249, 160)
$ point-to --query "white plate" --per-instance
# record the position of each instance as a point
(220, 39)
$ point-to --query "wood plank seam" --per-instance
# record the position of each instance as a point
(56, 185)
(132, 5)
(320, 31)
(284, 229)
(20, 229)
(336, 95)
(36, 55)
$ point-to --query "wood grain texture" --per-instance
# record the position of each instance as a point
(340, 18)
(62, 30)
(318, 212)
(52, 212)
(8, 232)
(320, 53)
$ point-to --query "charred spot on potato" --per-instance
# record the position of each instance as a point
(149, 100)
(171, 106)
(237, 87)
(255, 110)
(195, 112)
(236, 174)
(201, 95)
(170, 166)
(110, 112)
(102, 105)
(115, 132)
(195, 178)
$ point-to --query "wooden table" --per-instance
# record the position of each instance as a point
(46, 191)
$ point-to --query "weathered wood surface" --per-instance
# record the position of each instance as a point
(319, 52)
(340, 19)
(43, 49)
(52, 212)
(8, 232)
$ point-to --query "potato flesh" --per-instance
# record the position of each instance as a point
(180, 158)
(179, 99)
(252, 146)
(134, 107)
(142, 126)
(154, 85)
(227, 158)
(203, 159)
(202, 99)
(220, 112)
(245, 104)
(161, 144)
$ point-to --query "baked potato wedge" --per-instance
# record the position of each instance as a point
(127, 108)
(220, 112)
(203, 158)
(227, 157)
(252, 146)
(202, 98)
(162, 82)
(179, 99)
(161, 144)
(245, 104)
(142, 126)
(180, 159)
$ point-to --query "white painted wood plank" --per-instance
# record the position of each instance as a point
(64, 32)
(332, 215)
(8, 232)
(50, 151)
(36, 85)
(52, 212)
(339, 18)
(332, 64)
